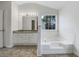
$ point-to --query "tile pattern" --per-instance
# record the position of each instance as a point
(19, 51)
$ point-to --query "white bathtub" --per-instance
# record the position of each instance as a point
(56, 47)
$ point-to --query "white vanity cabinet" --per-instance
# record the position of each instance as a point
(25, 38)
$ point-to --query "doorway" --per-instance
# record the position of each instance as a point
(1, 28)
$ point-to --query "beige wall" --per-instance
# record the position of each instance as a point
(14, 16)
(6, 7)
(69, 24)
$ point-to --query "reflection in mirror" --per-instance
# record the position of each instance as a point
(33, 25)
(49, 22)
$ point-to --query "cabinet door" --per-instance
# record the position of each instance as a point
(33, 38)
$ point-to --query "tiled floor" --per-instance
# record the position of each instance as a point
(19, 51)
(26, 51)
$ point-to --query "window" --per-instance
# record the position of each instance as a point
(49, 22)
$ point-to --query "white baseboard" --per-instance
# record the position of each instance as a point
(75, 51)
(9, 46)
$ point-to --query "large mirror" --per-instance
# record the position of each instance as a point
(30, 23)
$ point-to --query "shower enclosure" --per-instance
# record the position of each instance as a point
(51, 43)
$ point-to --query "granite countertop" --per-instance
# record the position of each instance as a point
(25, 31)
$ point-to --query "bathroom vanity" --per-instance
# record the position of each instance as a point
(28, 34)
(25, 37)
(51, 41)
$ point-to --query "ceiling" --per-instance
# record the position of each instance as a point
(51, 4)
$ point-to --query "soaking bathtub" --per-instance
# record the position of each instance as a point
(56, 47)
